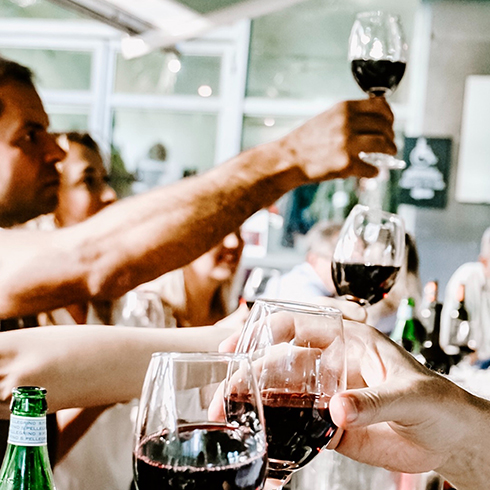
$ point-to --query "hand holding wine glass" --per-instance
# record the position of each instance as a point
(368, 255)
(300, 351)
(180, 444)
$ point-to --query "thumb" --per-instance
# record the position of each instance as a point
(360, 408)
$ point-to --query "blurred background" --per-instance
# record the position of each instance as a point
(191, 103)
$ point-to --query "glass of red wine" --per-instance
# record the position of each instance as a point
(378, 57)
(368, 254)
(187, 437)
(298, 351)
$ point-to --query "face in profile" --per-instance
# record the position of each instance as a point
(221, 262)
(28, 154)
(84, 188)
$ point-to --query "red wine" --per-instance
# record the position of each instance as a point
(368, 283)
(207, 456)
(297, 429)
(378, 77)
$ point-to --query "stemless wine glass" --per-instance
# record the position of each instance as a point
(368, 255)
(300, 351)
(187, 437)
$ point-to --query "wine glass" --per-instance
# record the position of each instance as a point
(184, 440)
(378, 57)
(301, 353)
(139, 308)
(368, 255)
(257, 281)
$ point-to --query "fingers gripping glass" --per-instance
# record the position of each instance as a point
(298, 354)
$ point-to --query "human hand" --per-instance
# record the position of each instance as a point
(282, 329)
(328, 145)
(399, 415)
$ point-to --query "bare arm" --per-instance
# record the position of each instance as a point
(90, 365)
(140, 238)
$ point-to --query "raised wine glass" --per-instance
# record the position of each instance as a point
(378, 57)
(184, 440)
(301, 353)
(368, 254)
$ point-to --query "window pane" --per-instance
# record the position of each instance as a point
(160, 146)
(53, 69)
(301, 52)
(62, 122)
(165, 73)
(257, 130)
(40, 9)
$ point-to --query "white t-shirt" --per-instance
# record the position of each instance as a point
(477, 302)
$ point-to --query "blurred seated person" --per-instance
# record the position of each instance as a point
(382, 315)
(83, 191)
(475, 277)
(313, 277)
(203, 292)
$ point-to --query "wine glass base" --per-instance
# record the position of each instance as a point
(382, 160)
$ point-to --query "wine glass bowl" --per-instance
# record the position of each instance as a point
(301, 354)
(368, 254)
(187, 437)
(139, 308)
(377, 52)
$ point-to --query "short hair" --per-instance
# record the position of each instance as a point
(322, 238)
(412, 255)
(11, 71)
(81, 138)
(485, 243)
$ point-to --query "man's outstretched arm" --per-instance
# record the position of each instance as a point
(140, 238)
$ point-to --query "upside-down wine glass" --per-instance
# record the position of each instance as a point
(187, 436)
(299, 352)
(378, 57)
(368, 254)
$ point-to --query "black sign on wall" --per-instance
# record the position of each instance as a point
(425, 180)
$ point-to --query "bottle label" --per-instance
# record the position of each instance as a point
(27, 431)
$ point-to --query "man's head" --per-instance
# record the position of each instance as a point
(485, 251)
(321, 241)
(28, 153)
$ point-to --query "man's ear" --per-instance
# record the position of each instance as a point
(486, 264)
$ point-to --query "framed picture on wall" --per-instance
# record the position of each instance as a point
(425, 180)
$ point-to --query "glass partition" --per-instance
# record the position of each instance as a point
(160, 146)
(55, 69)
(167, 73)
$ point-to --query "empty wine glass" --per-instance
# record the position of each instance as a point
(139, 308)
(301, 354)
(378, 57)
(259, 279)
(368, 255)
(187, 437)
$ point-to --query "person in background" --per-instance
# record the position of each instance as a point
(84, 190)
(203, 292)
(312, 278)
(475, 277)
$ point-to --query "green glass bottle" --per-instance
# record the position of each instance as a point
(405, 332)
(26, 463)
